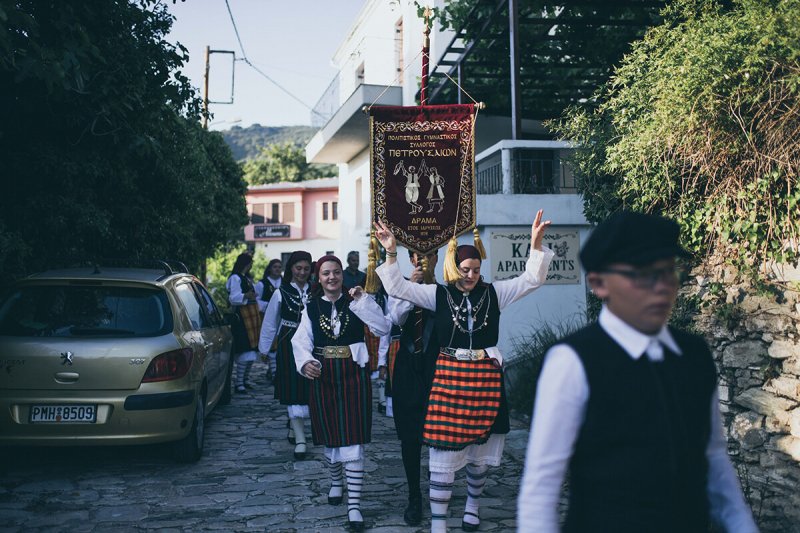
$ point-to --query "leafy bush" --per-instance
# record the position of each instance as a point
(523, 367)
(701, 122)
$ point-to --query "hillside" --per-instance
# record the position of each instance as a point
(245, 143)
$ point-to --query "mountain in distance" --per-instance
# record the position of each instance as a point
(246, 143)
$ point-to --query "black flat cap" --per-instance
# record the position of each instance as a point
(633, 238)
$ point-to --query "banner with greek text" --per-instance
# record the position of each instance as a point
(422, 160)
(510, 252)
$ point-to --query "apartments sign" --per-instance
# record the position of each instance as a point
(510, 252)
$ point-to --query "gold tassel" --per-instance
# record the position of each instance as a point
(478, 242)
(372, 283)
(450, 267)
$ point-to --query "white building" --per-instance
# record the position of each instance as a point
(379, 63)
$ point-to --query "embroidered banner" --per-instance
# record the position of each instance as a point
(422, 160)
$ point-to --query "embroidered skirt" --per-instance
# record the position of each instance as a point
(340, 403)
(464, 402)
(290, 387)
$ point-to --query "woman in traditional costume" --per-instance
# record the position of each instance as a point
(467, 414)
(280, 324)
(329, 349)
(265, 288)
(242, 298)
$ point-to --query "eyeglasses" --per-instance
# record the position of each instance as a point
(647, 279)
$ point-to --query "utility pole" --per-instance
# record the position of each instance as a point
(205, 89)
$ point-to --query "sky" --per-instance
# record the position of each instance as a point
(292, 43)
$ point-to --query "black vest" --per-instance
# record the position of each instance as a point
(483, 336)
(268, 290)
(291, 303)
(639, 462)
(353, 333)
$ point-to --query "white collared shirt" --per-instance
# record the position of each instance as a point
(561, 397)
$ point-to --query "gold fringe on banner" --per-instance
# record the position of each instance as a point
(373, 282)
(478, 242)
(450, 268)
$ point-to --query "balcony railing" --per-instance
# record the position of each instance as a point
(524, 167)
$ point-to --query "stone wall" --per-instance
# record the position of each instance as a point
(754, 332)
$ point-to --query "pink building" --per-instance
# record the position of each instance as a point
(290, 216)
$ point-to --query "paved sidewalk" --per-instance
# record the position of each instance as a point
(247, 480)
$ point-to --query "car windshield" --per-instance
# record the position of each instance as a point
(84, 311)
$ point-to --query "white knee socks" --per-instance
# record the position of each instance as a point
(337, 482)
(476, 480)
(441, 488)
(354, 470)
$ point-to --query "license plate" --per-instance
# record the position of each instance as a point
(64, 414)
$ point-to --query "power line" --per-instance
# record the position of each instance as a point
(251, 65)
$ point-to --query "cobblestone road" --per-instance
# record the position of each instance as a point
(246, 481)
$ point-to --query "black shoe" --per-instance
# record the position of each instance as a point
(382, 408)
(466, 526)
(240, 390)
(249, 386)
(355, 525)
(334, 500)
(413, 514)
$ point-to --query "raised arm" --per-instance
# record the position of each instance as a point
(370, 313)
(508, 291)
(393, 281)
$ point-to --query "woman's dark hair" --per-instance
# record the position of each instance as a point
(244, 259)
(296, 257)
(269, 267)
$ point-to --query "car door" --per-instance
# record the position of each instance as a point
(217, 333)
(198, 322)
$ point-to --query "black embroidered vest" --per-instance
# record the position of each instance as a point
(451, 321)
(291, 303)
(352, 327)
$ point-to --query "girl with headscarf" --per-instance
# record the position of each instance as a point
(242, 297)
(467, 417)
(280, 324)
(329, 349)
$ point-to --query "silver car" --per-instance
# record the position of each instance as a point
(101, 356)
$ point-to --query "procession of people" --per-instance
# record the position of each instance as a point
(448, 390)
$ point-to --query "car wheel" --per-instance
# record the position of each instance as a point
(227, 390)
(190, 448)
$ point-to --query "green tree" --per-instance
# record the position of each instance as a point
(283, 162)
(702, 122)
(102, 154)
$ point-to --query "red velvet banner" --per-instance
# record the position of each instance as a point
(422, 160)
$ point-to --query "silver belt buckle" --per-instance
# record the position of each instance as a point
(289, 323)
(463, 354)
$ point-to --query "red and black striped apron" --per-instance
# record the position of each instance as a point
(463, 404)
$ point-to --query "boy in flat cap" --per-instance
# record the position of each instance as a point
(629, 405)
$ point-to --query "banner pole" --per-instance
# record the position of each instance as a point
(426, 45)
